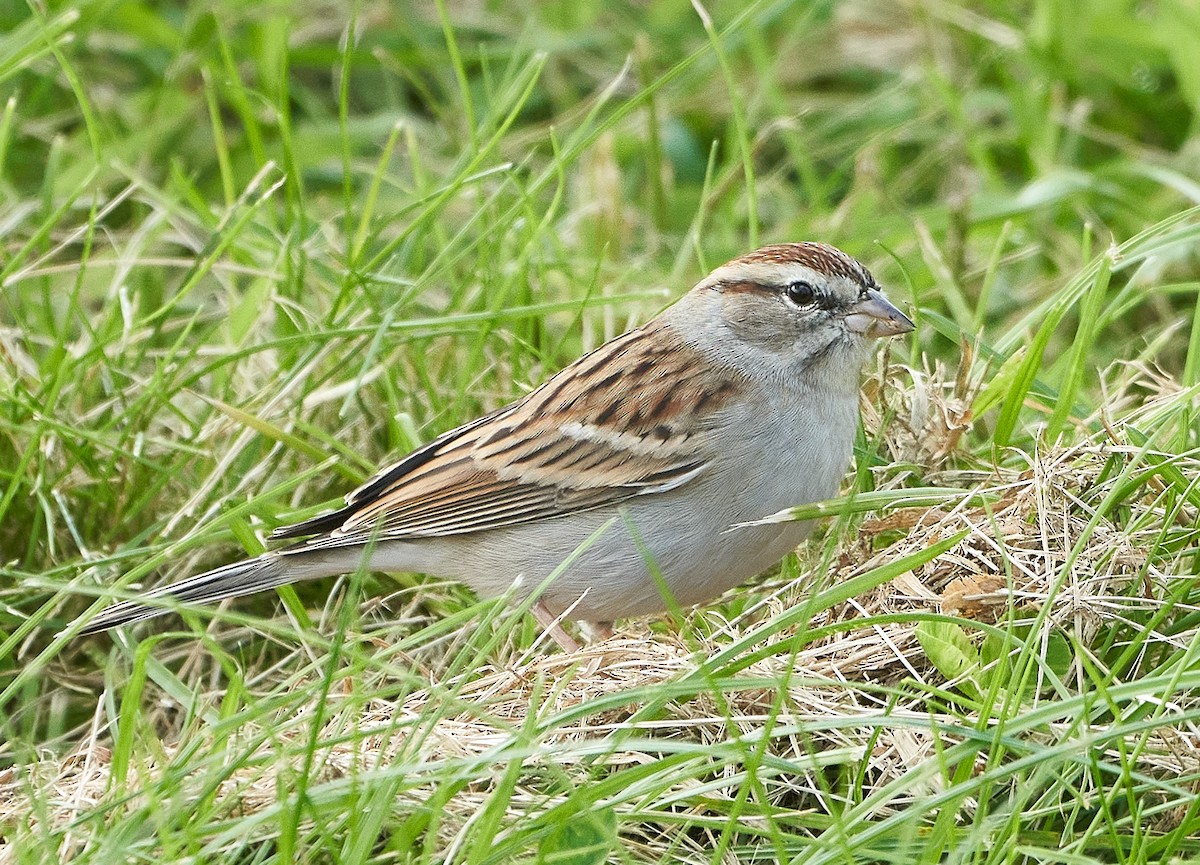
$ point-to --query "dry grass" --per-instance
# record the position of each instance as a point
(1039, 554)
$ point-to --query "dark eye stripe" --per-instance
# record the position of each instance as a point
(818, 298)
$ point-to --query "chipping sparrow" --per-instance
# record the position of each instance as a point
(739, 400)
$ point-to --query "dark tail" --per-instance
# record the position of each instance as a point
(231, 581)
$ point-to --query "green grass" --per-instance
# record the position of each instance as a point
(245, 259)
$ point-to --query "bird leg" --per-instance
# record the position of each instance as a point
(597, 632)
(554, 628)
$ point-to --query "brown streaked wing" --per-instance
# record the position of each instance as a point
(382, 480)
(625, 420)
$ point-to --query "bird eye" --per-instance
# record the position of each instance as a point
(801, 293)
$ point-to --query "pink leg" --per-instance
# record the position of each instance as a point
(553, 627)
(597, 632)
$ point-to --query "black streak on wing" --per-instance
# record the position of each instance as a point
(373, 488)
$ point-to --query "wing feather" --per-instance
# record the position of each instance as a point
(629, 419)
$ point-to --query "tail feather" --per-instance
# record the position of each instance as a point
(230, 581)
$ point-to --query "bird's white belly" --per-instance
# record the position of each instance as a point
(690, 539)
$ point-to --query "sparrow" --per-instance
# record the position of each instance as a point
(634, 472)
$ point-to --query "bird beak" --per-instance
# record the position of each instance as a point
(874, 316)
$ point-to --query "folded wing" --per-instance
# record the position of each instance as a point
(629, 419)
